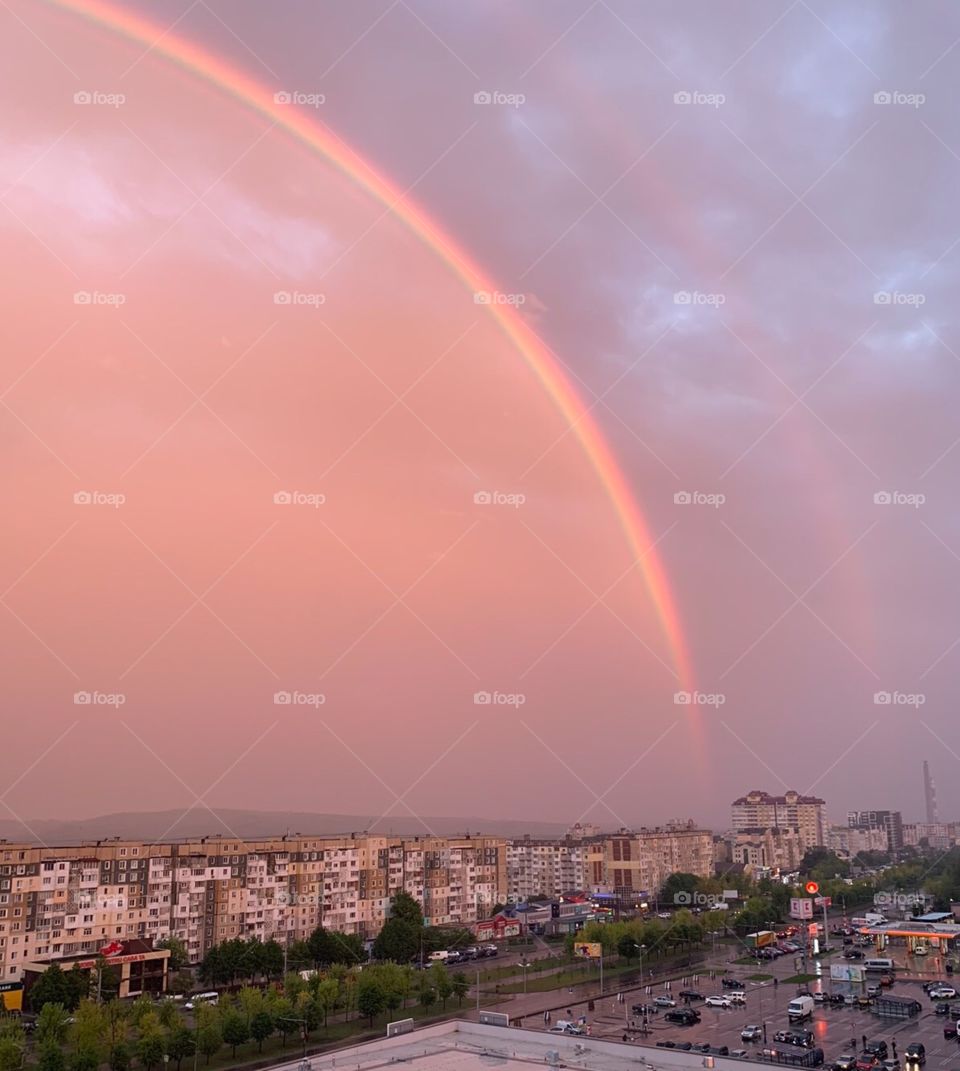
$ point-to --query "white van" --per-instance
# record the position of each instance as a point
(878, 964)
(202, 998)
(800, 1008)
(439, 956)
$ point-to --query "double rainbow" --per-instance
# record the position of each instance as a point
(239, 85)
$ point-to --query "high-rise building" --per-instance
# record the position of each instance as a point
(929, 795)
(804, 814)
(891, 822)
(635, 862)
(546, 868)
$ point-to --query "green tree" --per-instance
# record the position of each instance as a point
(50, 988)
(285, 1016)
(52, 1025)
(180, 1044)
(398, 941)
(209, 1041)
(327, 994)
(169, 1014)
(371, 998)
(11, 1053)
(179, 957)
(679, 889)
(461, 987)
(150, 1050)
(85, 1059)
(50, 1057)
(440, 979)
(115, 1016)
(261, 1027)
(235, 1030)
(120, 1057)
(428, 997)
(403, 906)
(628, 947)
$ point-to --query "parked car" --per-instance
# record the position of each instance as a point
(690, 994)
(751, 1033)
(664, 1002)
(876, 1048)
(739, 1054)
(739, 997)
(866, 1062)
(715, 1000)
(941, 992)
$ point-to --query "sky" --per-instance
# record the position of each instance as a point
(652, 505)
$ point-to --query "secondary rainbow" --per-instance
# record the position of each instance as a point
(235, 82)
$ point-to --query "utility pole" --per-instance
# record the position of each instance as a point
(478, 992)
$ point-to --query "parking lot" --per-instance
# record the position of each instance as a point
(837, 1029)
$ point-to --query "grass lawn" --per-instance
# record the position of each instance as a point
(796, 979)
(759, 977)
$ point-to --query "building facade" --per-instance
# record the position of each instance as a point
(57, 903)
(768, 849)
(546, 868)
(890, 823)
(760, 810)
(640, 862)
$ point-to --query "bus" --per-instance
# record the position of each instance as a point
(878, 964)
(202, 998)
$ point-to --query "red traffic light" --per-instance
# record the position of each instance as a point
(812, 888)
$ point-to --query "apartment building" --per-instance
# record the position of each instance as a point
(546, 868)
(768, 849)
(62, 902)
(760, 810)
(890, 823)
(642, 861)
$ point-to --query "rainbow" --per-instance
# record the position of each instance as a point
(259, 98)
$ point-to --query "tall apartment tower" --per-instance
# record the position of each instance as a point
(929, 794)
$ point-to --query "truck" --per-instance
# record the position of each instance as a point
(800, 1008)
(761, 939)
(874, 918)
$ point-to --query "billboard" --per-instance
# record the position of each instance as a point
(846, 972)
(801, 907)
(11, 996)
(588, 949)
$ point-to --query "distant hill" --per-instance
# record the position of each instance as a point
(173, 825)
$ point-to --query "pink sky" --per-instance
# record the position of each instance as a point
(597, 198)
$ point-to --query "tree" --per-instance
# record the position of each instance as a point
(427, 997)
(261, 1027)
(209, 1041)
(461, 987)
(50, 988)
(371, 998)
(85, 1059)
(284, 1016)
(440, 978)
(679, 889)
(119, 1059)
(115, 1015)
(51, 1057)
(11, 1053)
(398, 941)
(403, 906)
(180, 1044)
(235, 1030)
(150, 1050)
(179, 957)
(628, 947)
(169, 1014)
(327, 994)
(52, 1024)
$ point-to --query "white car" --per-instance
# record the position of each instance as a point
(664, 1002)
(737, 997)
(940, 992)
(751, 1033)
(718, 1001)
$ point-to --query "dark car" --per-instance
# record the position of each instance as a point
(915, 1053)
(853, 953)
(731, 983)
(685, 1045)
(720, 1050)
(690, 994)
(876, 1048)
(950, 1032)
(683, 1016)
(666, 1044)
